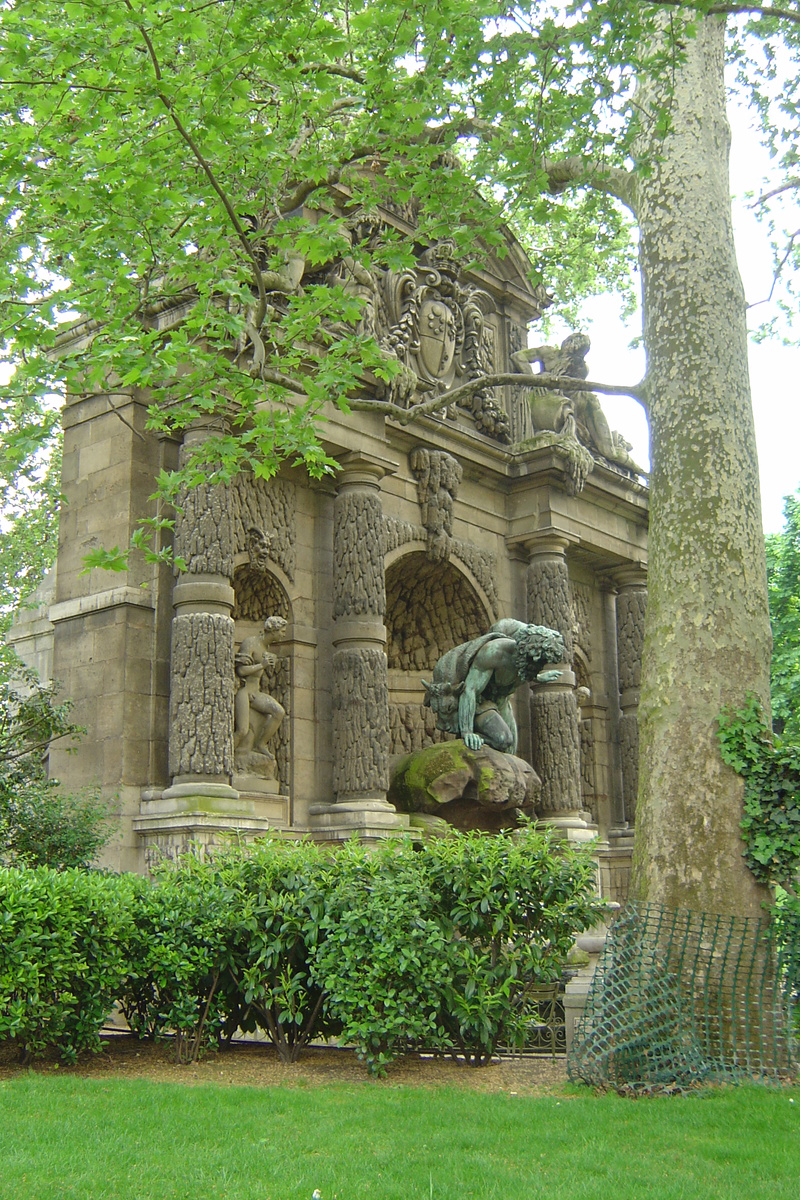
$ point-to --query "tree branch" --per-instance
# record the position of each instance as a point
(552, 383)
(789, 185)
(206, 167)
(614, 181)
(735, 10)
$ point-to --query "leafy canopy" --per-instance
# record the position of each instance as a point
(783, 581)
(172, 171)
(176, 179)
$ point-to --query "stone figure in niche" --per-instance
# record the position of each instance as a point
(572, 414)
(473, 684)
(257, 715)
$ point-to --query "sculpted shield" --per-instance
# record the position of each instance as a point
(437, 340)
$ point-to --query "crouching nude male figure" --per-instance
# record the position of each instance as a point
(473, 683)
(257, 715)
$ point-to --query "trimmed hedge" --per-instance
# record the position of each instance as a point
(389, 949)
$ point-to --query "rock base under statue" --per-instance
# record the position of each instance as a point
(470, 789)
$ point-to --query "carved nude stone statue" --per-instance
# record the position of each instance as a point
(573, 414)
(473, 683)
(257, 715)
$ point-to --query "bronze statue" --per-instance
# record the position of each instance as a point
(473, 683)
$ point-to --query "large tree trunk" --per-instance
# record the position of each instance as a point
(707, 640)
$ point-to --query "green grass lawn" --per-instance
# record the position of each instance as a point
(68, 1138)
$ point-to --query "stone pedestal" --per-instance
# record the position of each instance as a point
(360, 692)
(555, 721)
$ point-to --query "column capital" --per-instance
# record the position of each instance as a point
(629, 576)
(358, 468)
(547, 544)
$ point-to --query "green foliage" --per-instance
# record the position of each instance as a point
(509, 907)
(783, 581)
(434, 947)
(39, 825)
(171, 173)
(63, 956)
(384, 958)
(771, 771)
(389, 949)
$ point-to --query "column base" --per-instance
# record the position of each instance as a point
(175, 834)
(575, 825)
(371, 820)
(615, 864)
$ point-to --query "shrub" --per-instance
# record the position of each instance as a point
(63, 956)
(383, 958)
(39, 826)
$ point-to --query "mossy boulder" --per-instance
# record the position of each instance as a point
(471, 789)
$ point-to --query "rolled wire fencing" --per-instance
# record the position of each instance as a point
(681, 998)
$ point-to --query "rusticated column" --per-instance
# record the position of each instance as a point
(360, 692)
(555, 722)
(202, 676)
(631, 606)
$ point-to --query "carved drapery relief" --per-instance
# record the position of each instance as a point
(631, 609)
(521, 425)
(629, 760)
(201, 695)
(269, 506)
(398, 533)
(588, 796)
(581, 595)
(360, 722)
(412, 727)
(549, 599)
(358, 579)
(482, 565)
(430, 608)
(556, 749)
(438, 477)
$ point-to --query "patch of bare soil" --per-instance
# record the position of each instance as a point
(252, 1064)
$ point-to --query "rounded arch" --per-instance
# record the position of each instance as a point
(259, 594)
(430, 607)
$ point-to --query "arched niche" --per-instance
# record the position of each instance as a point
(430, 607)
(258, 595)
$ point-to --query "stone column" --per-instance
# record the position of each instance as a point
(555, 722)
(360, 691)
(201, 803)
(631, 605)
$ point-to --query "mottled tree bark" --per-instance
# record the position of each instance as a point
(707, 638)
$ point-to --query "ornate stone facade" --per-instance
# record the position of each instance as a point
(428, 534)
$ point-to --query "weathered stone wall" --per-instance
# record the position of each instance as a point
(412, 727)
(201, 695)
(270, 505)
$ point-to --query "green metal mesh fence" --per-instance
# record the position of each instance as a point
(681, 998)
